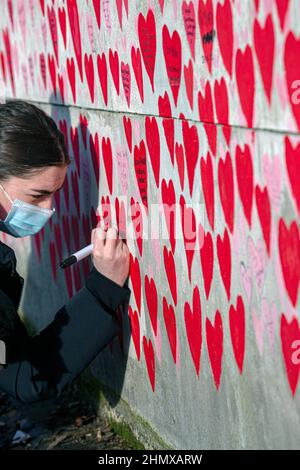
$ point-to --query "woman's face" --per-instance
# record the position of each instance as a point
(39, 189)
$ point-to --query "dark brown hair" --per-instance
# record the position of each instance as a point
(29, 140)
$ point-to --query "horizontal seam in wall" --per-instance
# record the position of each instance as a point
(232, 126)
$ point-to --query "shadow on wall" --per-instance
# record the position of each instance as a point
(68, 230)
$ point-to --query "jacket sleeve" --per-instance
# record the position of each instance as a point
(57, 355)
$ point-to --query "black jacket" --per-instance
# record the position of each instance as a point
(40, 367)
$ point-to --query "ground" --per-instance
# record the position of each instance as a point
(67, 422)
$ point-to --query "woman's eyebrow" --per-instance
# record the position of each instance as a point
(45, 191)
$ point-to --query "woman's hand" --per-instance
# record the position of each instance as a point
(111, 256)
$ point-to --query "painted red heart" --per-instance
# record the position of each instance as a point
(207, 178)
(164, 107)
(169, 201)
(126, 81)
(180, 163)
(83, 123)
(119, 11)
(135, 277)
(264, 213)
(207, 262)
(108, 162)
(75, 146)
(206, 114)
(137, 222)
(136, 60)
(244, 69)
(189, 20)
(226, 189)
(95, 154)
(153, 144)
(207, 30)
(42, 4)
(52, 72)
(150, 360)
(151, 298)
(2, 65)
(237, 331)
(147, 39)
(126, 6)
(75, 32)
(292, 160)
(135, 330)
(61, 87)
(224, 257)
(264, 42)
(244, 174)
(171, 272)
(121, 217)
(128, 131)
(11, 11)
(97, 9)
(193, 326)
(225, 33)
(172, 55)
(289, 252)
(222, 108)
(214, 339)
(170, 322)
(282, 7)
(43, 69)
(140, 166)
(290, 337)
(63, 24)
(188, 223)
(30, 66)
(191, 147)
(102, 74)
(114, 69)
(72, 76)
(189, 82)
(53, 30)
(292, 63)
(89, 72)
(9, 61)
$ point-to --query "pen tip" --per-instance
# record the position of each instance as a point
(67, 262)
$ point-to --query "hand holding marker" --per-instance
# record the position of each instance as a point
(83, 253)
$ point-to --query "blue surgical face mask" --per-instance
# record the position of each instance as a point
(24, 219)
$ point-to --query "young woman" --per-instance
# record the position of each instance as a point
(33, 166)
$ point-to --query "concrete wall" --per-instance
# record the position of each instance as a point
(195, 104)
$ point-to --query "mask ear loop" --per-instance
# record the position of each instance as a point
(3, 190)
